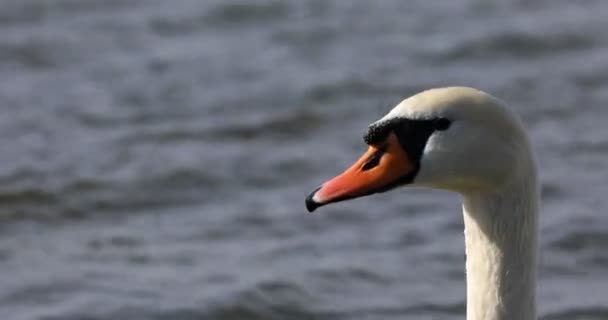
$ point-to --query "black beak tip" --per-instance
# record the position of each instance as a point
(311, 204)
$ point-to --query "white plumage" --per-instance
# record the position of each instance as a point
(485, 156)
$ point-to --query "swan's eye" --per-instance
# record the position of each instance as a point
(442, 124)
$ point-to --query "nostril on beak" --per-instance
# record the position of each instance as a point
(374, 160)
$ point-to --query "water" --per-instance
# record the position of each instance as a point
(155, 155)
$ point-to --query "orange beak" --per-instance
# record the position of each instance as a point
(382, 167)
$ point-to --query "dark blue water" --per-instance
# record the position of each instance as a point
(155, 155)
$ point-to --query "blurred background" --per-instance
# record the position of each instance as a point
(155, 155)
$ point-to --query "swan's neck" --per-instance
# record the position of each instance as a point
(501, 239)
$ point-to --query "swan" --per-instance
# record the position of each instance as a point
(463, 140)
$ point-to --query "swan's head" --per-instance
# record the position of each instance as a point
(459, 139)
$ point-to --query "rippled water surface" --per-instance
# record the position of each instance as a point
(155, 155)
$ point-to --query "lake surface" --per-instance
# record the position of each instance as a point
(155, 155)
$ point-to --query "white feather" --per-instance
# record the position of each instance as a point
(485, 156)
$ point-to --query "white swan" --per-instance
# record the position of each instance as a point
(463, 140)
